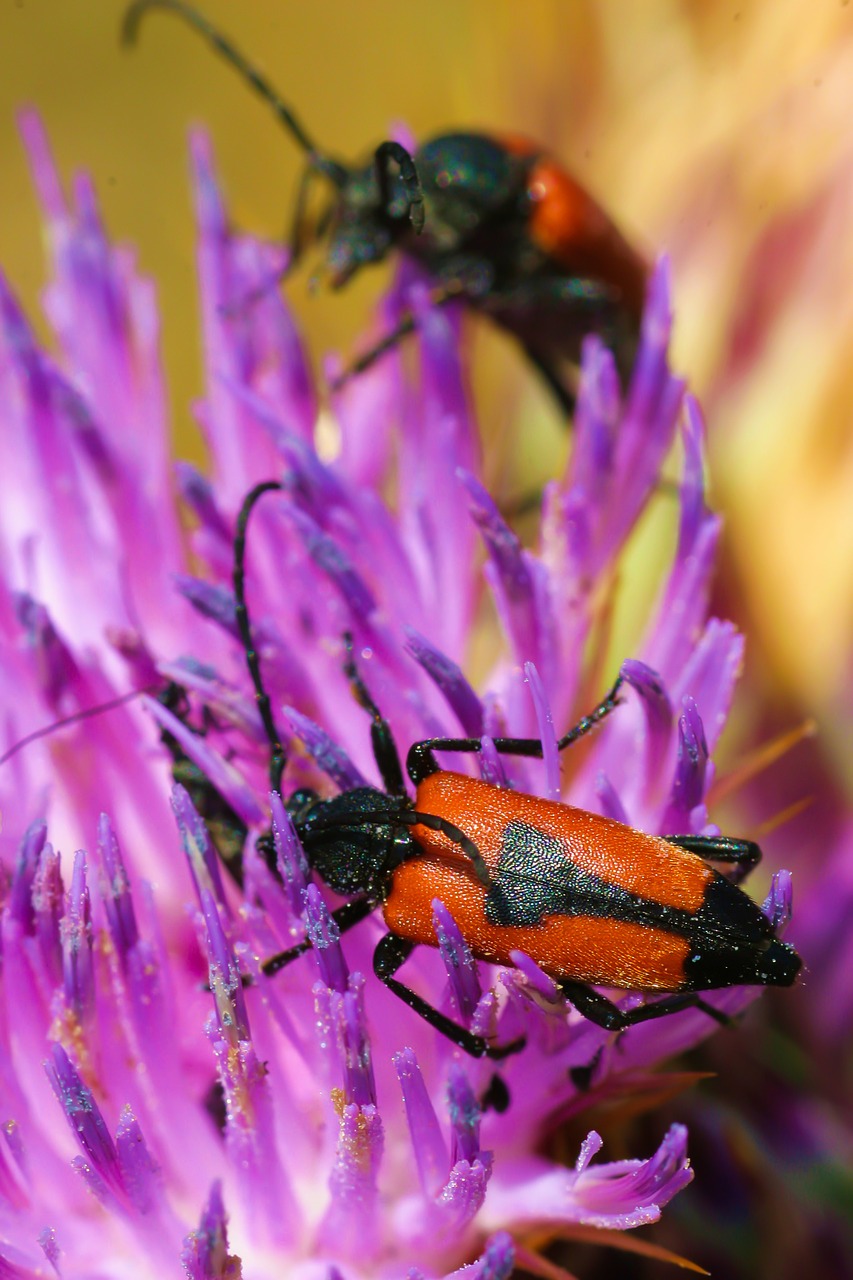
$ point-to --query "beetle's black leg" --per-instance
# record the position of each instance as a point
(382, 740)
(578, 306)
(421, 761)
(226, 830)
(496, 1096)
(582, 1076)
(745, 854)
(674, 1004)
(393, 153)
(461, 277)
(471, 279)
(262, 698)
(607, 704)
(407, 324)
(391, 339)
(345, 917)
(76, 717)
(604, 1013)
(391, 952)
(296, 240)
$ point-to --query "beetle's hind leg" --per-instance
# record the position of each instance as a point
(441, 296)
(345, 917)
(745, 855)
(606, 1014)
(404, 326)
(390, 954)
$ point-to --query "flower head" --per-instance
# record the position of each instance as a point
(245, 1123)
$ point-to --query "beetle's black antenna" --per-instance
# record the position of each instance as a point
(46, 730)
(393, 151)
(278, 758)
(130, 27)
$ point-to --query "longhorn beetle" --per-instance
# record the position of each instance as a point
(592, 901)
(494, 221)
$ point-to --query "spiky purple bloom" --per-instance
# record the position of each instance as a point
(309, 1124)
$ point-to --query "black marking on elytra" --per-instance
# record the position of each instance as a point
(732, 941)
(535, 879)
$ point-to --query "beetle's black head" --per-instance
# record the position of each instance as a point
(734, 943)
(350, 845)
(366, 206)
(372, 214)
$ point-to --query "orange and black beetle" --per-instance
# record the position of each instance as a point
(493, 220)
(592, 901)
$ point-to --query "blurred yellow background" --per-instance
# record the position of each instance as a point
(718, 131)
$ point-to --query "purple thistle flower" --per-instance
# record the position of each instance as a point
(307, 1123)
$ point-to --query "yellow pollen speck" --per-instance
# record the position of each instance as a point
(239, 1100)
(327, 436)
(66, 1029)
(354, 1140)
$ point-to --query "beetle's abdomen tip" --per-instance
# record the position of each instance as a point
(763, 963)
(779, 965)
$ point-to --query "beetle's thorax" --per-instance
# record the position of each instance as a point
(349, 843)
(365, 228)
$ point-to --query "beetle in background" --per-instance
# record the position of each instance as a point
(493, 220)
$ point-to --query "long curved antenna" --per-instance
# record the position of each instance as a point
(130, 28)
(393, 151)
(278, 758)
(46, 730)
